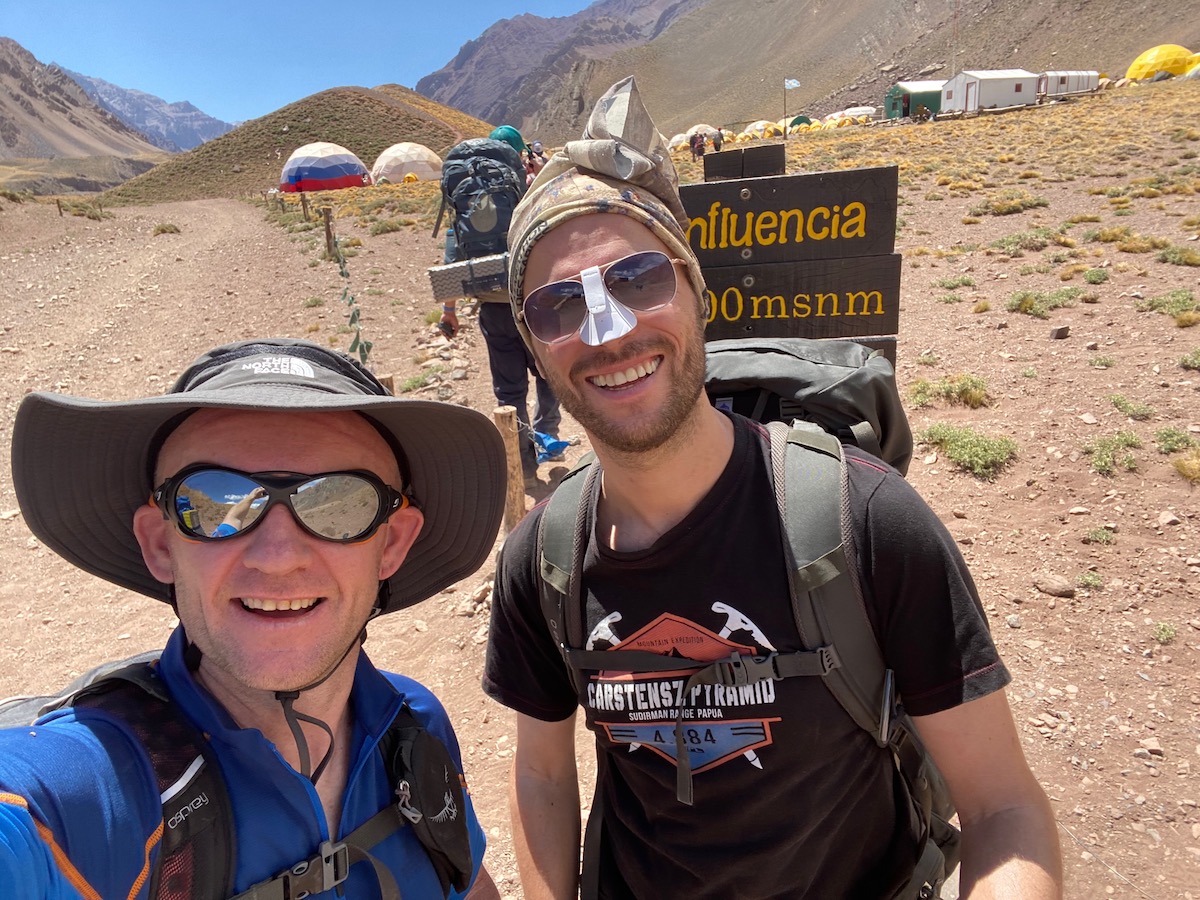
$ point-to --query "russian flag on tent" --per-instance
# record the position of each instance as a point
(322, 167)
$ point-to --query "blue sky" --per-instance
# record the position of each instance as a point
(241, 60)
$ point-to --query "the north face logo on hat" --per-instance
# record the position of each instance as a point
(279, 365)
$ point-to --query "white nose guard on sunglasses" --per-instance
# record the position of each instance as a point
(607, 318)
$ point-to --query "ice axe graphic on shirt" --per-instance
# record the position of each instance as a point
(603, 632)
(736, 620)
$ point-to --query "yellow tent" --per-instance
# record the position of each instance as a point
(1164, 58)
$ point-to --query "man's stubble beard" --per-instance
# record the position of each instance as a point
(622, 436)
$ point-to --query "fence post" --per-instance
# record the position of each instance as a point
(58, 203)
(330, 249)
(304, 204)
(505, 418)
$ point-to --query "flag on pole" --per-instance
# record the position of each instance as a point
(790, 83)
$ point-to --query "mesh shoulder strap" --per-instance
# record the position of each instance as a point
(197, 854)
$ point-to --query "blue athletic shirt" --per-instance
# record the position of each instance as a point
(80, 814)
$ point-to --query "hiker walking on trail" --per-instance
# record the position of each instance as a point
(727, 764)
(279, 498)
(482, 182)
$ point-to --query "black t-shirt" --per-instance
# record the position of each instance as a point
(792, 798)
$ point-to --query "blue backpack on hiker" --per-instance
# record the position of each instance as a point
(482, 182)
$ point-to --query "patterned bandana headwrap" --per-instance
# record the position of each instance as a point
(622, 165)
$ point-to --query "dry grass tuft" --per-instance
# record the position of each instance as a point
(1189, 465)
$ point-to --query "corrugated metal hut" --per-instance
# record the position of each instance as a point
(1059, 84)
(976, 89)
(903, 98)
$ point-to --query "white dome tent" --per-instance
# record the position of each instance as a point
(404, 159)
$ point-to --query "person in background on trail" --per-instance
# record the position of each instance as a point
(510, 136)
(718, 139)
(363, 504)
(791, 797)
(512, 364)
(535, 160)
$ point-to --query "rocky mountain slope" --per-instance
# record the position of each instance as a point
(170, 126)
(44, 113)
(517, 63)
(725, 63)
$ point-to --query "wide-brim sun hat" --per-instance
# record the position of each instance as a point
(81, 467)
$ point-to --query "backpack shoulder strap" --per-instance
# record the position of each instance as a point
(809, 474)
(196, 859)
(562, 537)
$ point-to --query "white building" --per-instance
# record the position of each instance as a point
(973, 90)
(1058, 84)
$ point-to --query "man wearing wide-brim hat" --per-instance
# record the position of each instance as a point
(279, 498)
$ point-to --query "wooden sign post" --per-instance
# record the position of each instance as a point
(807, 255)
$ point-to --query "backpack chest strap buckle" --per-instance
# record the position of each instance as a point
(323, 872)
(740, 670)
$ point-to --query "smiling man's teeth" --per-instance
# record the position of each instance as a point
(273, 605)
(633, 373)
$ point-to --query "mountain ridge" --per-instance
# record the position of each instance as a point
(173, 127)
(44, 113)
(725, 64)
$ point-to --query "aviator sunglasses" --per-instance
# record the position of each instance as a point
(212, 503)
(642, 282)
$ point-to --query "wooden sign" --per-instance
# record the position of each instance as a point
(808, 255)
(789, 218)
(832, 298)
(745, 162)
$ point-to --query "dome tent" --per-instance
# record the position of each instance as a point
(398, 161)
(322, 167)
(759, 128)
(1170, 58)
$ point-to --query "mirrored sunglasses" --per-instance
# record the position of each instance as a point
(643, 282)
(212, 503)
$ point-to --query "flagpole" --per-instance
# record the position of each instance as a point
(785, 128)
